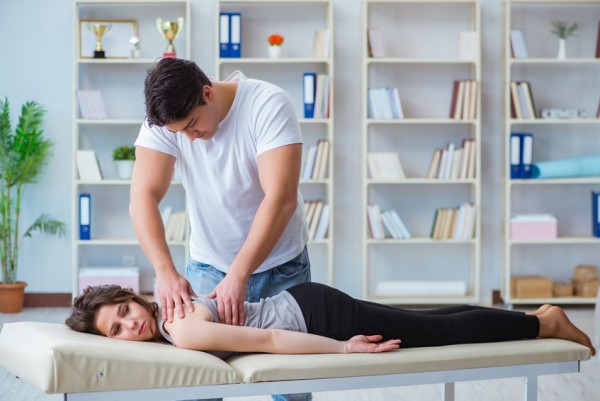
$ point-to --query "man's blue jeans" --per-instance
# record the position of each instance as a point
(204, 278)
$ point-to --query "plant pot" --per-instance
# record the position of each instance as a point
(275, 51)
(124, 169)
(12, 297)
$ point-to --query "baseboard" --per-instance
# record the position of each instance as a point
(45, 299)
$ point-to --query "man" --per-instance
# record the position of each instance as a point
(237, 146)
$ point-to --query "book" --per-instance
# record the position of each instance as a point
(87, 166)
(309, 163)
(375, 222)
(322, 160)
(453, 98)
(375, 43)
(91, 105)
(458, 110)
(312, 228)
(518, 44)
(323, 223)
(528, 99)
(434, 165)
(321, 43)
(385, 166)
(514, 96)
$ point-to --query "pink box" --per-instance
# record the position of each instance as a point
(126, 277)
(533, 227)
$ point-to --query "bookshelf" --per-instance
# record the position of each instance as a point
(423, 67)
(297, 21)
(569, 83)
(120, 78)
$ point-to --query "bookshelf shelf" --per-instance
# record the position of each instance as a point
(566, 198)
(295, 20)
(120, 82)
(426, 65)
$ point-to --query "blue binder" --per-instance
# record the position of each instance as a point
(515, 156)
(309, 89)
(526, 154)
(85, 216)
(596, 214)
(224, 42)
(235, 35)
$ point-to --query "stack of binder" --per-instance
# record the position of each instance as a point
(230, 35)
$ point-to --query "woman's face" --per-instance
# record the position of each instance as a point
(126, 321)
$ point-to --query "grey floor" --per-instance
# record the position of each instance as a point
(584, 386)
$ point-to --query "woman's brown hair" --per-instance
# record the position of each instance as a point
(86, 306)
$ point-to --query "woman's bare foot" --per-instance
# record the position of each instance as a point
(542, 309)
(554, 323)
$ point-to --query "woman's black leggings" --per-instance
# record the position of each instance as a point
(331, 313)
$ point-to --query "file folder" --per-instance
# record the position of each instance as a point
(235, 35)
(596, 213)
(515, 156)
(526, 155)
(224, 42)
(310, 79)
(85, 211)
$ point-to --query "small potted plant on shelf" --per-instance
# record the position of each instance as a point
(563, 31)
(124, 158)
(23, 155)
(275, 41)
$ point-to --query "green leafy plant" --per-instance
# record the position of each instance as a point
(123, 153)
(564, 30)
(23, 155)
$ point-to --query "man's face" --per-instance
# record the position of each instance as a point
(202, 123)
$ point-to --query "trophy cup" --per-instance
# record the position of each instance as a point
(99, 30)
(169, 30)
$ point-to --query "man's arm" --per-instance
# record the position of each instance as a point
(151, 178)
(279, 173)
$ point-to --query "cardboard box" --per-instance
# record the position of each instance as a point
(126, 277)
(530, 287)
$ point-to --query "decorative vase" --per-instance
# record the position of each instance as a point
(124, 169)
(275, 51)
(12, 297)
(562, 49)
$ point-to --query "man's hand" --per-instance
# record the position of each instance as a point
(174, 293)
(230, 294)
(370, 344)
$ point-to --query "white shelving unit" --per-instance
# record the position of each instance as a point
(421, 44)
(120, 82)
(296, 21)
(570, 83)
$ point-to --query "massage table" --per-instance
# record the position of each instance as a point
(89, 367)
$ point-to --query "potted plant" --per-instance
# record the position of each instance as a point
(124, 158)
(23, 155)
(275, 42)
(563, 31)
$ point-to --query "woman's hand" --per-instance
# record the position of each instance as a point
(370, 344)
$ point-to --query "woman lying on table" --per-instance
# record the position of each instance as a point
(312, 318)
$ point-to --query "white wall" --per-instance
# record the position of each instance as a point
(36, 63)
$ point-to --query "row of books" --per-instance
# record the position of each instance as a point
(384, 103)
(176, 223)
(521, 105)
(317, 218)
(386, 224)
(87, 166)
(454, 223)
(317, 95)
(467, 44)
(521, 154)
(454, 163)
(91, 105)
(316, 162)
(518, 45)
(385, 166)
(464, 100)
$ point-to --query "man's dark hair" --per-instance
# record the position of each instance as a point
(86, 306)
(173, 89)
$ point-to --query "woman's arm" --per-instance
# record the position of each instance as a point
(198, 333)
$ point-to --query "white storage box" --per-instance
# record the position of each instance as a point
(126, 277)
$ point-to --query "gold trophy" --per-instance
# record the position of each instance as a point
(169, 30)
(99, 30)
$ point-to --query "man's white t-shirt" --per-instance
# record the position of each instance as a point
(220, 175)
